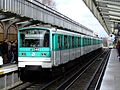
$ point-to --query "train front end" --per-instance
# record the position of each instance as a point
(34, 48)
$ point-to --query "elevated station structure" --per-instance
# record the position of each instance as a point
(22, 13)
(107, 12)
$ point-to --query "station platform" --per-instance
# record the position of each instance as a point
(111, 79)
(8, 68)
(9, 76)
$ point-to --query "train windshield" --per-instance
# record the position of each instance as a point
(34, 38)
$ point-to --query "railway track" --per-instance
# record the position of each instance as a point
(90, 77)
(65, 81)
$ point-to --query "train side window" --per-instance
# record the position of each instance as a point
(84, 41)
(88, 41)
(66, 44)
(53, 39)
(65, 41)
(46, 40)
(59, 41)
(72, 41)
(78, 41)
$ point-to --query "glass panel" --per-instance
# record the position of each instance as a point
(34, 38)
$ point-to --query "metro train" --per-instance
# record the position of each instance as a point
(46, 48)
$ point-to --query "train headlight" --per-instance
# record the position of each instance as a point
(33, 54)
(23, 54)
(43, 54)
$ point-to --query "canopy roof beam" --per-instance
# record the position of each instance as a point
(108, 12)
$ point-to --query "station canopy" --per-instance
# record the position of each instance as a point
(107, 12)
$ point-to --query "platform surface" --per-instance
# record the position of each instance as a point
(8, 68)
(111, 79)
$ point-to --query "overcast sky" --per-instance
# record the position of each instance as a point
(77, 10)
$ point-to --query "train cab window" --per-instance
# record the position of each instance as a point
(34, 38)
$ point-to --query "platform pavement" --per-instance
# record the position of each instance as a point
(111, 79)
(8, 68)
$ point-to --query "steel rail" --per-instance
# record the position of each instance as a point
(70, 81)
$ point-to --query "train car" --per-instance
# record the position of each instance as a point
(110, 43)
(46, 48)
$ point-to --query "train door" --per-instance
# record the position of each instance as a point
(65, 49)
(55, 49)
(73, 47)
(82, 44)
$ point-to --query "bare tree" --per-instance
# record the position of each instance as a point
(49, 3)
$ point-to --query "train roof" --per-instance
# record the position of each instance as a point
(60, 31)
(44, 28)
(84, 31)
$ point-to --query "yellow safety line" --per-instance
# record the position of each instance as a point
(2, 73)
(6, 67)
